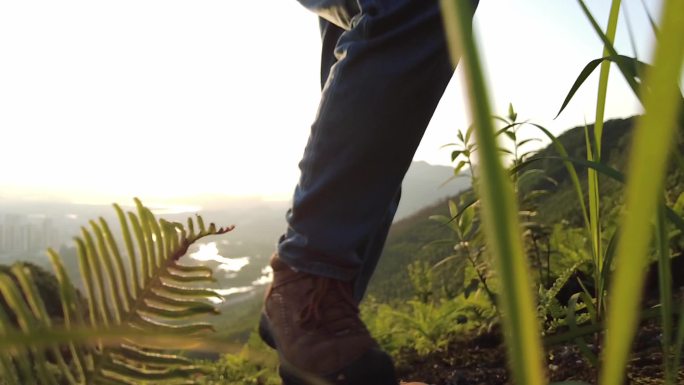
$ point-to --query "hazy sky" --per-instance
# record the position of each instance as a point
(103, 100)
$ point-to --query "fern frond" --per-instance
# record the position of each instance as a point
(152, 294)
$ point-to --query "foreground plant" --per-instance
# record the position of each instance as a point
(654, 133)
(499, 209)
(121, 333)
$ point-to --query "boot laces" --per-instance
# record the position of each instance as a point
(330, 304)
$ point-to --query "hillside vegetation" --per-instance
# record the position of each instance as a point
(413, 239)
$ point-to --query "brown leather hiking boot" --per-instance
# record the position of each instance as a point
(314, 324)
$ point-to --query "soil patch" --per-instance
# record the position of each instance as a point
(482, 361)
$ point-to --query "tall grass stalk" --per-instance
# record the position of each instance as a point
(595, 154)
(651, 144)
(499, 207)
(665, 286)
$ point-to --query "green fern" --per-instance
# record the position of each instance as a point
(109, 338)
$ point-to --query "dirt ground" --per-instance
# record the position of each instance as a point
(482, 361)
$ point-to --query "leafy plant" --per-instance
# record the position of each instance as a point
(428, 327)
(254, 364)
(469, 247)
(550, 311)
(132, 315)
(662, 102)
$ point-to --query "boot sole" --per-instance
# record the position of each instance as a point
(374, 367)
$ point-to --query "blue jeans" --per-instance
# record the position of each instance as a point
(384, 68)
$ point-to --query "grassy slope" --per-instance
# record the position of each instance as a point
(408, 238)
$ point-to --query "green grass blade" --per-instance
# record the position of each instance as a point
(592, 176)
(608, 45)
(500, 217)
(603, 77)
(630, 32)
(679, 341)
(654, 27)
(594, 214)
(631, 64)
(560, 149)
(608, 261)
(665, 286)
(651, 143)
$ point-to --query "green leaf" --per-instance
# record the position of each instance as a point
(146, 269)
(130, 249)
(70, 308)
(512, 115)
(87, 278)
(192, 329)
(201, 271)
(626, 62)
(117, 261)
(116, 292)
(37, 306)
(134, 353)
(150, 375)
(579, 342)
(186, 292)
(105, 353)
(149, 237)
(96, 270)
(608, 47)
(20, 356)
(469, 133)
(28, 325)
(459, 167)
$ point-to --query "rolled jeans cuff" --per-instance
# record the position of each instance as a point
(338, 12)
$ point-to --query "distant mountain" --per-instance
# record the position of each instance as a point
(260, 223)
(426, 184)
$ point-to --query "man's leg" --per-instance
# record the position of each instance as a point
(371, 248)
(389, 71)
